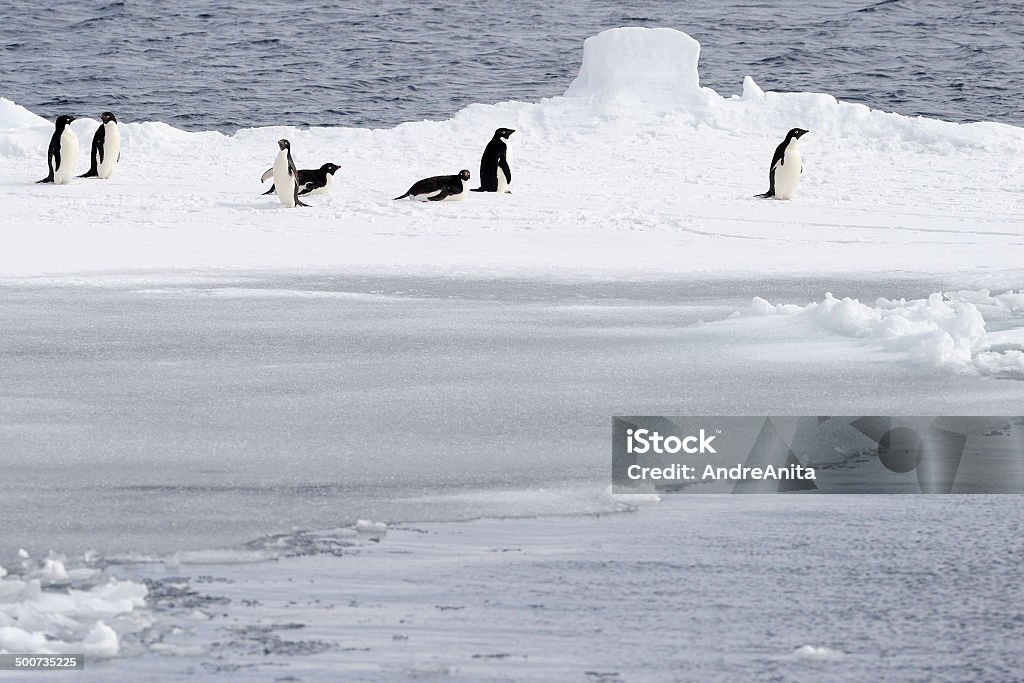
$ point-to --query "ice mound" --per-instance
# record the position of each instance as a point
(651, 65)
(41, 614)
(946, 330)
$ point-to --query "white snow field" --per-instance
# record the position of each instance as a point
(636, 171)
(192, 378)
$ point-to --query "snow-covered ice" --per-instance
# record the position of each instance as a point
(195, 378)
(637, 172)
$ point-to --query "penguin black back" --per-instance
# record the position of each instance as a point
(53, 151)
(439, 187)
(495, 161)
(779, 159)
(98, 140)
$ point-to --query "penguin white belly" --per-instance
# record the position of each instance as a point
(503, 180)
(68, 157)
(111, 150)
(787, 174)
(284, 184)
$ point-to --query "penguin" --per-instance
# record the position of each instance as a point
(311, 181)
(285, 176)
(62, 154)
(495, 175)
(106, 148)
(439, 187)
(786, 167)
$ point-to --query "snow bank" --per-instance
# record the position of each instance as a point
(944, 330)
(637, 170)
(51, 610)
(16, 116)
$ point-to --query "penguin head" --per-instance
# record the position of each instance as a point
(329, 168)
(464, 174)
(284, 144)
(108, 117)
(65, 120)
(503, 133)
(797, 133)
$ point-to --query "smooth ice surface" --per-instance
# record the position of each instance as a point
(165, 414)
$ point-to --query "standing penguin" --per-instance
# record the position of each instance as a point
(285, 175)
(495, 175)
(786, 167)
(106, 148)
(62, 154)
(440, 187)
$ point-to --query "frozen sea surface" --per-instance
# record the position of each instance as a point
(708, 589)
(202, 413)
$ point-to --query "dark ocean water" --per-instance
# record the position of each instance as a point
(226, 65)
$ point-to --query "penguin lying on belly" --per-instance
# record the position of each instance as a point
(311, 180)
(439, 188)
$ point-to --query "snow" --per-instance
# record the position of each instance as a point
(637, 172)
(942, 330)
(45, 609)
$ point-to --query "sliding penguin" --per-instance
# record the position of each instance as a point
(311, 180)
(439, 187)
(106, 148)
(285, 176)
(495, 175)
(62, 154)
(786, 167)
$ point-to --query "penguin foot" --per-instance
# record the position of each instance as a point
(767, 195)
(45, 180)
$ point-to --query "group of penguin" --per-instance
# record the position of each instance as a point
(290, 183)
(62, 155)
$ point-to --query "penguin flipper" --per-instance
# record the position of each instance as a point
(503, 167)
(267, 175)
(441, 196)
